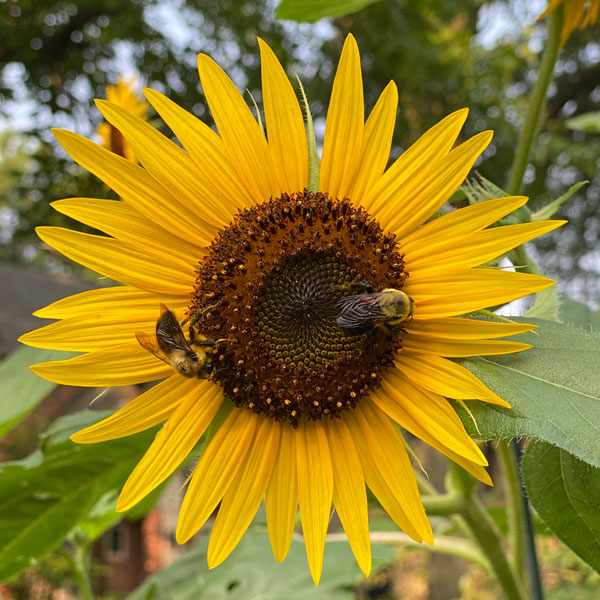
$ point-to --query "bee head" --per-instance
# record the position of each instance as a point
(395, 304)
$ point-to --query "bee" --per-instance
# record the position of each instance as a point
(363, 312)
(191, 358)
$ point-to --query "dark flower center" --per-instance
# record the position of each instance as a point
(270, 285)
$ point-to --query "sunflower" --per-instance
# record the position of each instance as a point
(226, 232)
(125, 96)
(578, 13)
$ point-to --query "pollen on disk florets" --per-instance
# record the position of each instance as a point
(270, 285)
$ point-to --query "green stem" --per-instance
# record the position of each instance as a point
(444, 504)
(536, 104)
(79, 561)
(444, 544)
(514, 506)
(484, 533)
(535, 579)
(520, 256)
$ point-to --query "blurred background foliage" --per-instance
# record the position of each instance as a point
(56, 56)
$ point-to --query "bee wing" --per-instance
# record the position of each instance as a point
(169, 334)
(149, 343)
(359, 313)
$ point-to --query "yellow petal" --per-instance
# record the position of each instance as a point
(315, 490)
(397, 411)
(152, 407)
(465, 329)
(476, 248)
(243, 140)
(120, 300)
(122, 221)
(422, 195)
(285, 124)
(349, 493)
(419, 161)
(387, 469)
(95, 330)
(460, 304)
(125, 364)
(281, 498)
(245, 494)
(464, 347)
(119, 261)
(344, 127)
(444, 282)
(85, 334)
(173, 443)
(377, 141)
(205, 148)
(215, 471)
(462, 221)
(170, 166)
(445, 377)
(398, 396)
(137, 187)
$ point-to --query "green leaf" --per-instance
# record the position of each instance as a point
(565, 492)
(554, 389)
(22, 390)
(42, 500)
(546, 305)
(577, 313)
(479, 189)
(552, 208)
(101, 516)
(586, 122)
(313, 10)
(252, 572)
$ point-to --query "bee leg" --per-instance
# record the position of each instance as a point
(362, 287)
(393, 329)
(357, 287)
(213, 343)
(195, 320)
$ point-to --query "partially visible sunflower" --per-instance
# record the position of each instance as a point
(125, 96)
(226, 232)
(578, 13)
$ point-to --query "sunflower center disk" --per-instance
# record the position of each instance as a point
(269, 286)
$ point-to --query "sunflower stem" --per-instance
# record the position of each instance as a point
(514, 505)
(79, 561)
(444, 504)
(535, 108)
(484, 533)
(444, 544)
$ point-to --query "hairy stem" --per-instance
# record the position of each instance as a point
(535, 108)
(514, 505)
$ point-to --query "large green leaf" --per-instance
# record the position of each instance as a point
(22, 390)
(44, 496)
(252, 572)
(313, 10)
(554, 390)
(565, 492)
(577, 313)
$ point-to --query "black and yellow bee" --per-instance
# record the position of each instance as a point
(361, 313)
(191, 358)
